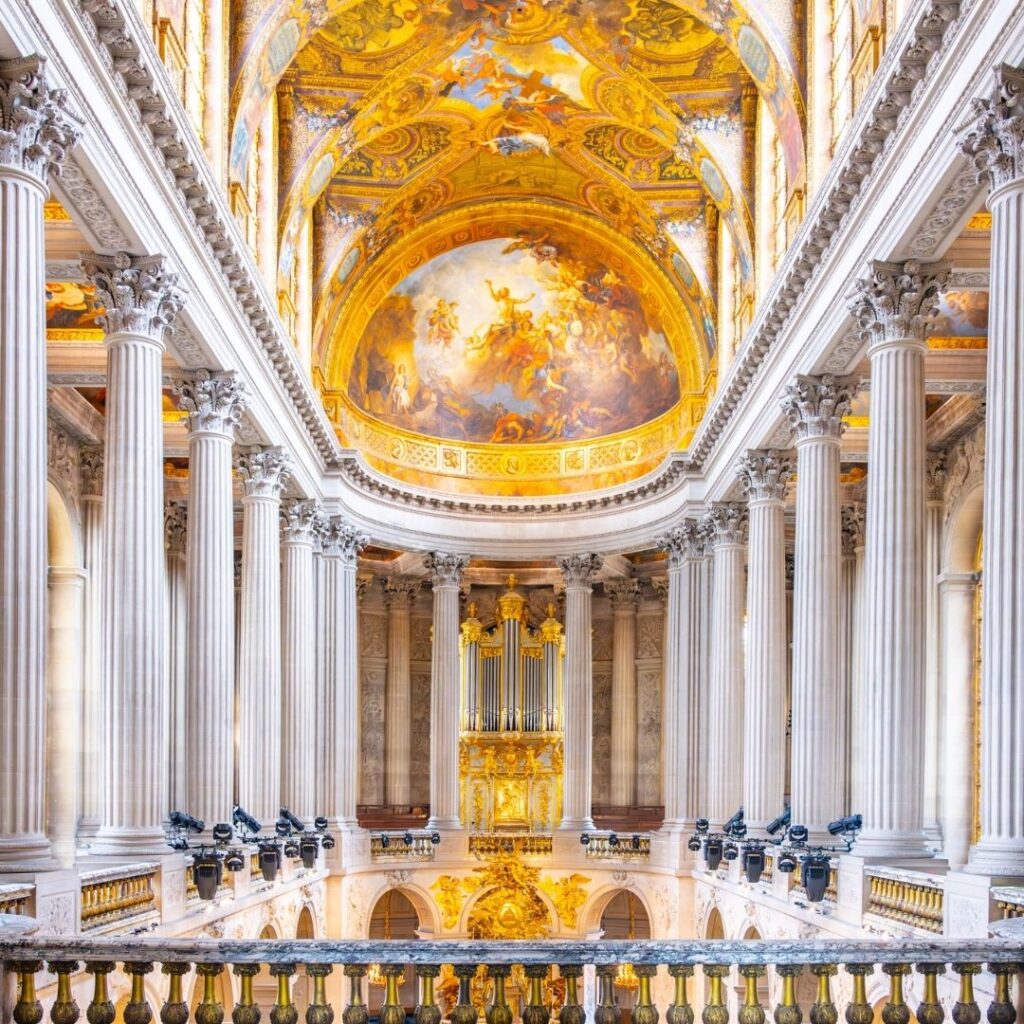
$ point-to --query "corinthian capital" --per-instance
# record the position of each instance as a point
(445, 569)
(852, 517)
(625, 594)
(299, 520)
(91, 468)
(683, 541)
(764, 474)
(214, 401)
(340, 539)
(726, 524)
(36, 128)
(175, 526)
(994, 136)
(400, 590)
(139, 294)
(815, 406)
(898, 301)
(577, 570)
(264, 471)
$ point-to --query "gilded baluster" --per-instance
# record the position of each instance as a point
(1001, 1010)
(823, 1010)
(572, 1011)
(606, 1012)
(65, 1009)
(929, 1010)
(896, 1010)
(715, 1011)
(209, 1010)
(680, 1012)
(645, 1012)
(966, 1009)
(245, 1011)
(137, 1011)
(751, 1012)
(464, 1012)
(319, 1010)
(101, 1009)
(355, 1012)
(284, 1010)
(788, 1011)
(858, 1010)
(499, 1012)
(28, 1009)
(428, 1012)
(175, 1009)
(535, 1012)
(391, 1012)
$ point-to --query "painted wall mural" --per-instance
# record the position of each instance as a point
(522, 339)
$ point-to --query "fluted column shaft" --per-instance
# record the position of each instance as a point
(851, 576)
(726, 526)
(298, 661)
(932, 724)
(175, 533)
(398, 594)
(37, 132)
(214, 403)
(445, 575)
(140, 299)
(264, 473)
(765, 475)
(625, 600)
(681, 768)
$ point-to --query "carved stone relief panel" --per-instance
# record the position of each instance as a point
(420, 639)
(648, 698)
(649, 629)
(419, 755)
(602, 640)
(371, 784)
(373, 634)
(602, 748)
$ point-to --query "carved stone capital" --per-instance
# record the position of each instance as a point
(624, 594)
(683, 541)
(577, 570)
(299, 519)
(994, 136)
(445, 569)
(264, 471)
(90, 464)
(364, 581)
(765, 474)
(36, 128)
(898, 301)
(214, 401)
(340, 539)
(936, 475)
(399, 591)
(852, 517)
(659, 584)
(726, 523)
(175, 526)
(138, 293)
(815, 406)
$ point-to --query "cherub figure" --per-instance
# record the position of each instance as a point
(442, 323)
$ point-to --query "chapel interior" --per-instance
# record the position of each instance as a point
(511, 510)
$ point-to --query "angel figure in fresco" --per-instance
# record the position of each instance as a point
(398, 396)
(442, 323)
(503, 297)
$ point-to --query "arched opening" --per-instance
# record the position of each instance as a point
(715, 928)
(264, 987)
(625, 917)
(763, 988)
(65, 590)
(394, 917)
(221, 993)
(302, 991)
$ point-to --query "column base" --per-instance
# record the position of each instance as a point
(24, 853)
(444, 825)
(999, 857)
(876, 843)
(129, 842)
(576, 825)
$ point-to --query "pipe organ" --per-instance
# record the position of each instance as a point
(510, 753)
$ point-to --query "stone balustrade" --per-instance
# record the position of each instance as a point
(616, 847)
(124, 896)
(909, 897)
(1009, 901)
(14, 899)
(418, 848)
(490, 844)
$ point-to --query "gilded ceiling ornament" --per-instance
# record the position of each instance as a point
(568, 894)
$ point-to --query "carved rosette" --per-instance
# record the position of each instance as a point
(299, 520)
(340, 539)
(577, 570)
(815, 406)
(175, 526)
(852, 518)
(625, 595)
(445, 569)
(138, 293)
(994, 136)
(264, 471)
(683, 541)
(214, 401)
(90, 467)
(400, 590)
(898, 302)
(726, 523)
(36, 128)
(765, 474)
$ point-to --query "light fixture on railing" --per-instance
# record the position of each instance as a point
(375, 973)
(625, 976)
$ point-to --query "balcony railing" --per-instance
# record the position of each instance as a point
(529, 844)
(118, 895)
(1009, 900)
(419, 848)
(26, 957)
(14, 899)
(911, 898)
(628, 847)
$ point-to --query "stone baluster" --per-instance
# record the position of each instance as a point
(625, 597)
(399, 594)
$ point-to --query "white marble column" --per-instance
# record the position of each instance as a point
(707, 588)
(625, 596)
(37, 131)
(339, 752)
(765, 474)
(577, 691)
(851, 643)
(815, 407)
(175, 540)
(91, 767)
(141, 299)
(445, 575)
(726, 530)
(214, 403)
(399, 593)
(684, 657)
(323, 613)
(935, 482)
(264, 472)
(996, 142)
(894, 307)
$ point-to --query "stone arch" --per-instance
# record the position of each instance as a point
(714, 926)
(426, 909)
(305, 925)
(963, 527)
(593, 911)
